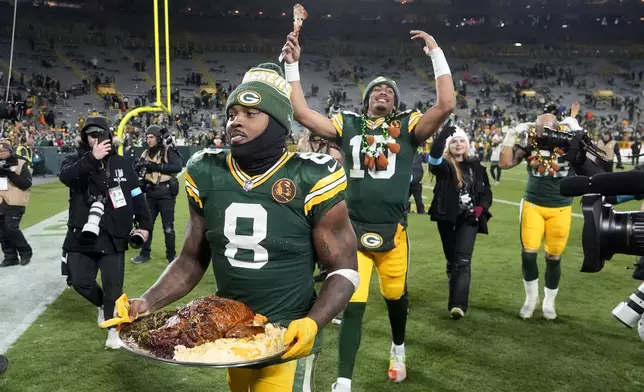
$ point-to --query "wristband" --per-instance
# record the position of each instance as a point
(351, 275)
(439, 62)
(292, 72)
(510, 139)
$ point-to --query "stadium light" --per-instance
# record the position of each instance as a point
(517, 44)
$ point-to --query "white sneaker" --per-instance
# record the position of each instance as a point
(531, 299)
(456, 314)
(101, 316)
(340, 388)
(640, 328)
(397, 369)
(113, 341)
(548, 307)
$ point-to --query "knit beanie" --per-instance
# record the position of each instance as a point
(96, 122)
(459, 133)
(264, 88)
(377, 82)
(153, 130)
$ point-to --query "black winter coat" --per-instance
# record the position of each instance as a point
(445, 205)
(88, 178)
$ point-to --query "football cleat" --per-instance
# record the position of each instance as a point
(456, 314)
(101, 316)
(531, 299)
(397, 369)
(548, 307)
(113, 341)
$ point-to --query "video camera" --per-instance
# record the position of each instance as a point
(575, 144)
(608, 232)
(13, 111)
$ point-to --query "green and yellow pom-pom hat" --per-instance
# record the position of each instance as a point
(377, 82)
(264, 88)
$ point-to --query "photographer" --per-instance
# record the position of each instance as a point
(104, 195)
(15, 181)
(461, 203)
(158, 167)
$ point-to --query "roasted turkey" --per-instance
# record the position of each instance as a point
(203, 320)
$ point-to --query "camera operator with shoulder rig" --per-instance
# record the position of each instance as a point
(104, 195)
(15, 181)
(553, 151)
(158, 168)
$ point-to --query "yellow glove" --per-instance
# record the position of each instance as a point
(300, 336)
(122, 310)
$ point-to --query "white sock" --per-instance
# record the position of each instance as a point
(344, 382)
(398, 350)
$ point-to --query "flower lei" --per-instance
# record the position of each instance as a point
(374, 153)
(541, 163)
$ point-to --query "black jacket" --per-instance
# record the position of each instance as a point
(445, 205)
(417, 169)
(88, 178)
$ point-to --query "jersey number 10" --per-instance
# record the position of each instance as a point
(357, 171)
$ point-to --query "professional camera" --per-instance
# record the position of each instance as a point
(4, 164)
(136, 239)
(14, 111)
(139, 167)
(630, 311)
(96, 211)
(608, 232)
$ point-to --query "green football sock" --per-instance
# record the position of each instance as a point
(529, 266)
(350, 333)
(553, 273)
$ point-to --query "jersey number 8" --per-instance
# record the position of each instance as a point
(259, 216)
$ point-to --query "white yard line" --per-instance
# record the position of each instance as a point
(26, 292)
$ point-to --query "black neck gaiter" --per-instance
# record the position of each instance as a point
(258, 155)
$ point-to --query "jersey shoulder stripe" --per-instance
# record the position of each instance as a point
(325, 193)
(414, 118)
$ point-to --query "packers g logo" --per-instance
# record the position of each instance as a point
(249, 98)
(371, 240)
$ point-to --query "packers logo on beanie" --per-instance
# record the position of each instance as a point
(265, 88)
(377, 82)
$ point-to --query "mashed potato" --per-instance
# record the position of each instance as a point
(235, 350)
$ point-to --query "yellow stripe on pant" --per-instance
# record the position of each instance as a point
(292, 376)
(391, 267)
(553, 222)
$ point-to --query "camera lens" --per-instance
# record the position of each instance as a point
(136, 241)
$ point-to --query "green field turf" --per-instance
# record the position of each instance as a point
(585, 349)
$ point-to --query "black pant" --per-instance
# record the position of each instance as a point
(165, 207)
(11, 238)
(495, 171)
(416, 190)
(635, 158)
(458, 246)
(82, 269)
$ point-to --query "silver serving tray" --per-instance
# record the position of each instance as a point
(135, 349)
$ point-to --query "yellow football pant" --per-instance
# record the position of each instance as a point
(292, 376)
(391, 267)
(554, 222)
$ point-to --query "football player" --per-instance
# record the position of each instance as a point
(378, 147)
(544, 211)
(264, 216)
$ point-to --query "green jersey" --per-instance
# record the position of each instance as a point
(543, 189)
(377, 196)
(259, 228)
